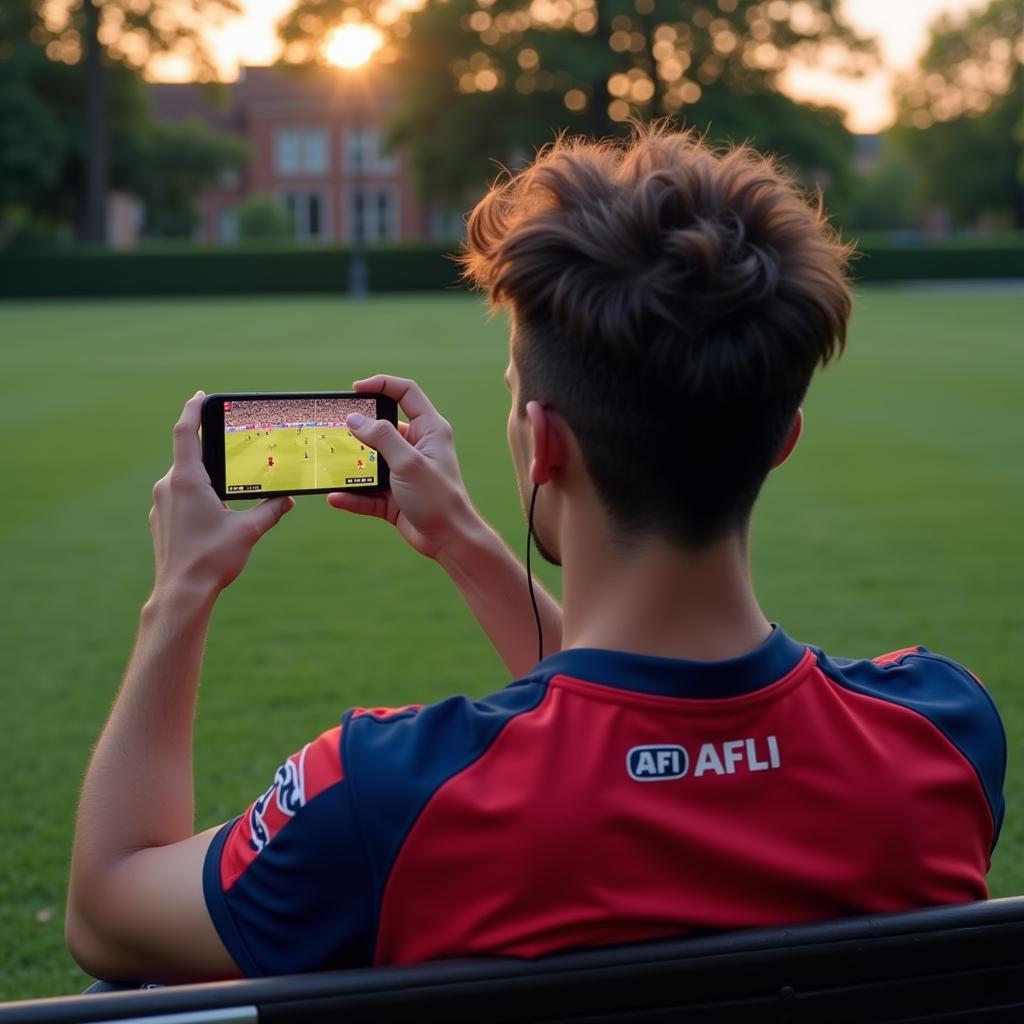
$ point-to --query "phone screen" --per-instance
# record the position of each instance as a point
(295, 444)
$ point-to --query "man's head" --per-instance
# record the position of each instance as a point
(669, 305)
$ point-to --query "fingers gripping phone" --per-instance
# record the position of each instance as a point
(259, 445)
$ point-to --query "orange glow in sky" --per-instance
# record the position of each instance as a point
(352, 45)
(900, 26)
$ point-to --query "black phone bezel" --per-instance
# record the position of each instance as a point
(213, 440)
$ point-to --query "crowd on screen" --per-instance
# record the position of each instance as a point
(268, 412)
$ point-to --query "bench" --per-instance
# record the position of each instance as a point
(961, 964)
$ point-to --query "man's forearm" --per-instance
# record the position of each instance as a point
(138, 787)
(493, 583)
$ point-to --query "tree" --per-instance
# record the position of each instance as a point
(42, 163)
(45, 150)
(32, 144)
(481, 80)
(888, 196)
(961, 114)
(172, 166)
(260, 218)
(99, 35)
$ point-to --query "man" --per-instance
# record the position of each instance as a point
(675, 762)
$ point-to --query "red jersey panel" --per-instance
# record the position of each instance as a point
(612, 797)
(797, 802)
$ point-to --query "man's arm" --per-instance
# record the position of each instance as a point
(492, 581)
(429, 506)
(135, 906)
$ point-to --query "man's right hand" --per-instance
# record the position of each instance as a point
(428, 502)
(429, 505)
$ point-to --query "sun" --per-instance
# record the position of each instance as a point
(353, 44)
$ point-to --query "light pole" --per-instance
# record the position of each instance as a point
(358, 269)
(351, 46)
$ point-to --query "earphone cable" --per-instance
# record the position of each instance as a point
(529, 575)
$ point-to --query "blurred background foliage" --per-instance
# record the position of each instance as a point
(70, 126)
(483, 83)
(486, 81)
(261, 218)
(962, 116)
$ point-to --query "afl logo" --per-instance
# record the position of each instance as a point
(657, 762)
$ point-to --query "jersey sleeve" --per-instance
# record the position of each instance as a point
(952, 698)
(287, 884)
(963, 709)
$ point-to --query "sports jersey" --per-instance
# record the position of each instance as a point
(611, 797)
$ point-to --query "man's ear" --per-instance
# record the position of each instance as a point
(548, 443)
(794, 435)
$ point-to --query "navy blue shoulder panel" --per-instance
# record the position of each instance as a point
(304, 903)
(949, 697)
(395, 763)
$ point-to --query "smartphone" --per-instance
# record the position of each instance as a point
(261, 444)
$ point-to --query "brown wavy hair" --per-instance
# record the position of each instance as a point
(672, 303)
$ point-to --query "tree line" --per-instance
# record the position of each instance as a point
(485, 82)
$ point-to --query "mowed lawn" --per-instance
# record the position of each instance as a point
(898, 521)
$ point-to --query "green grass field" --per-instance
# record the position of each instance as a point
(898, 521)
(290, 459)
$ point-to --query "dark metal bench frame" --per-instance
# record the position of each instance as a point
(962, 964)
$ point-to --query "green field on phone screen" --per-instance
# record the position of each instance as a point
(897, 521)
(292, 459)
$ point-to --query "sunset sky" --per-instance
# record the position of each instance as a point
(900, 25)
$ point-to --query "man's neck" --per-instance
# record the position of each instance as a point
(660, 599)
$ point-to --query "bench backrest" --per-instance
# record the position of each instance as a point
(963, 964)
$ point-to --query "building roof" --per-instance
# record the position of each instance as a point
(214, 105)
(330, 91)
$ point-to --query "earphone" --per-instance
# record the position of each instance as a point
(529, 574)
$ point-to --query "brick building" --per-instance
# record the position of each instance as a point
(309, 131)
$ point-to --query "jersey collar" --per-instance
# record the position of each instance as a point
(671, 677)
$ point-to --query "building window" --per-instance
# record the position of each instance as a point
(375, 211)
(446, 226)
(230, 179)
(301, 151)
(227, 226)
(316, 151)
(308, 213)
(364, 148)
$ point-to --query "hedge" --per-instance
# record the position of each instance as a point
(941, 261)
(213, 271)
(193, 270)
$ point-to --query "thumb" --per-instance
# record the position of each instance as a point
(268, 513)
(384, 436)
